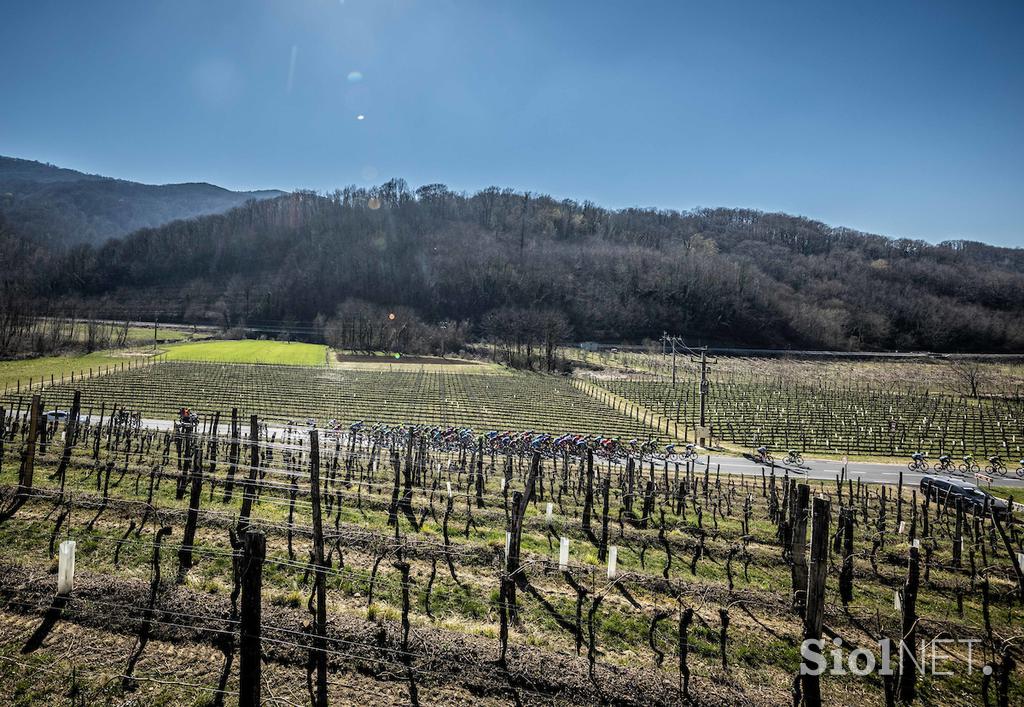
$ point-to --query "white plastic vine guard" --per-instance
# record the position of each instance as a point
(66, 568)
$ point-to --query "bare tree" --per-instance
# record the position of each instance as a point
(969, 376)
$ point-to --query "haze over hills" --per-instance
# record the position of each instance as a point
(502, 263)
(54, 205)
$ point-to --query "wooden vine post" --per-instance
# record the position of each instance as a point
(249, 649)
(249, 490)
(195, 495)
(320, 615)
(846, 573)
(588, 499)
(70, 431)
(28, 460)
(798, 545)
(908, 641)
(814, 615)
(233, 450)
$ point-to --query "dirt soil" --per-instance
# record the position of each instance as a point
(449, 661)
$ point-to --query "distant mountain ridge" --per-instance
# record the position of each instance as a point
(55, 206)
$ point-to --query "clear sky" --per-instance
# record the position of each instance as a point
(900, 118)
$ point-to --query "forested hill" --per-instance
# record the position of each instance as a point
(57, 206)
(723, 276)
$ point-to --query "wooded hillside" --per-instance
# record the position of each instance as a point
(56, 206)
(721, 276)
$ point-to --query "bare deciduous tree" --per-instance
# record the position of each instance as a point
(969, 376)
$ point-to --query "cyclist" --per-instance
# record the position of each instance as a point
(996, 465)
(917, 462)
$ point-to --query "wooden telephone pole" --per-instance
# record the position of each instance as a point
(674, 341)
(704, 385)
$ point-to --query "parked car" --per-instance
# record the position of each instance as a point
(938, 488)
(57, 415)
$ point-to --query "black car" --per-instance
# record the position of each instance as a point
(938, 488)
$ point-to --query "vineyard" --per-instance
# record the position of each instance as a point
(778, 404)
(838, 420)
(482, 401)
(246, 561)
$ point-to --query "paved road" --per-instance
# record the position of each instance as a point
(868, 472)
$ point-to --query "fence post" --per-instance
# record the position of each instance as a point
(249, 649)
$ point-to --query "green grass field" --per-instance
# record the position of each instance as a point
(11, 372)
(35, 368)
(281, 352)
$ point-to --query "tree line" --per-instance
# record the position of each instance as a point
(528, 272)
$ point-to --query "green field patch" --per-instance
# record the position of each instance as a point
(250, 351)
(35, 369)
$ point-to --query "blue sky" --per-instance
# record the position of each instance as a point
(900, 118)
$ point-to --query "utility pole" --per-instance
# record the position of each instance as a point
(704, 385)
(674, 340)
(704, 362)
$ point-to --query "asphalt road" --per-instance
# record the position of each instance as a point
(867, 472)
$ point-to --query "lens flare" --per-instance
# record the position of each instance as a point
(355, 76)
